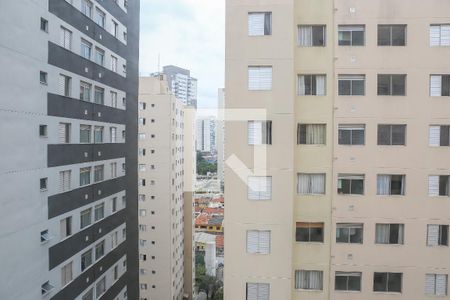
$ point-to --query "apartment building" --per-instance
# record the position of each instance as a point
(161, 192)
(352, 200)
(206, 134)
(182, 84)
(68, 223)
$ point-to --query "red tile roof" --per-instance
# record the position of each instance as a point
(219, 241)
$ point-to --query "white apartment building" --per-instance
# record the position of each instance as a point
(182, 84)
(206, 134)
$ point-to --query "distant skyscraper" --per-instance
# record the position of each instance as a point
(68, 217)
(182, 84)
(206, 134)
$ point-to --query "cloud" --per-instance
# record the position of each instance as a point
(189, 34)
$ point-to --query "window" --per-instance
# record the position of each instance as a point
(142, 197)
(116, 272)
(113, 63)
(85, 91)
(391, 85)
(99, 56)
(43, 130)
(438, 185)
(440, 35)
(312, 85)
(351, 35)
(259, 78)
(64, 133)
(86, 8)
(309, 280)
(439, 135)
(114, 204)
(257, 291)
(311, 184)
(114, 99)
(311, 35)
(113, 170)
(98, 134)
(259, 23)
(43, 77)
(387, 282)
(142, 105)
(100, 288)
(66, 274)
(142, 167)
(65, 38)
(259, 132)
(259, 187)
(86, 49)
(352, 134)
(142, 212)
(99, 17)
(351, 85)
(89, 295)
(46, 288)
(85, 218)
(391, 135)
(99, 250)
(85, 134)
(436, 284)
(141, 121)
(391, 35)
(309, 232)
(65, 227)
(349, 233)
(439, 85)
(86, 260)
(99, 95)
(350, 184)
(115, 29)
(390, 184)
(311, 134)
(99, 212)
(99, 173)
(347, 281)
(389, 234)
(65, 181)
(44, 25)
(65, 85)
(45, 237)
(437, 235)
(258, 241)
(85, 176)
(43, 184)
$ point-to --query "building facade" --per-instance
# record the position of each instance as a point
(351, 200)
(161, 191)
(206, 134)
(220, 139)
(68, 168)
(182, 84)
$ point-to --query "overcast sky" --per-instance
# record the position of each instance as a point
(189, 34)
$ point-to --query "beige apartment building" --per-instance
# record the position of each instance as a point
(352, 200)
(165, 185)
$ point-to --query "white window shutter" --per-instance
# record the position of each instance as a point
(435, 85)
(253, 188)
(254, 132)
(62, 133)
(113, 134)
(264, 242)
(429, 284)
(252, 241)
(252, 291)
(266, 188)
(445, 35)
(260, 78)
(256, 24)
(441, 285)
(320, 85)
(62, 85)
(433, 235)
(433, 185)
(305, 36)
(263, 291)
(435, 35)
(435, 136)
(301, 85)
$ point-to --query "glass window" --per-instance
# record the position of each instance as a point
(99, 95)
(387, 282)
(391, 35)
(350, 184)
(86, 49)
(391, 85)
(85, 176)
(86, 260)
(309, 232)
(98, 134)
(351, 85)
(351, 134)
(347, 281)
(99, 212)
(351, 35)
(85, 134)
(351, 233)
(85, 218)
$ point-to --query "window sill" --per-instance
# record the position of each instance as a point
(388, 293)
(308, 291)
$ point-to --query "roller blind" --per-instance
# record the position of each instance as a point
(256, 24)
(435, 35)
(435, 136)
(433, 185)
(259, 187)
(433, 235)
(259, 78)
(258, 241)
(435, 85)
(254, 132)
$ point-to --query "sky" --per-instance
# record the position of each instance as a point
(189, 34)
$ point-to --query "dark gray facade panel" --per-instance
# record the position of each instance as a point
(67, 60)
(71, 15)
(69, 154)
(62, 203)
(77, 242)
(65, 107)
(81, 283)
